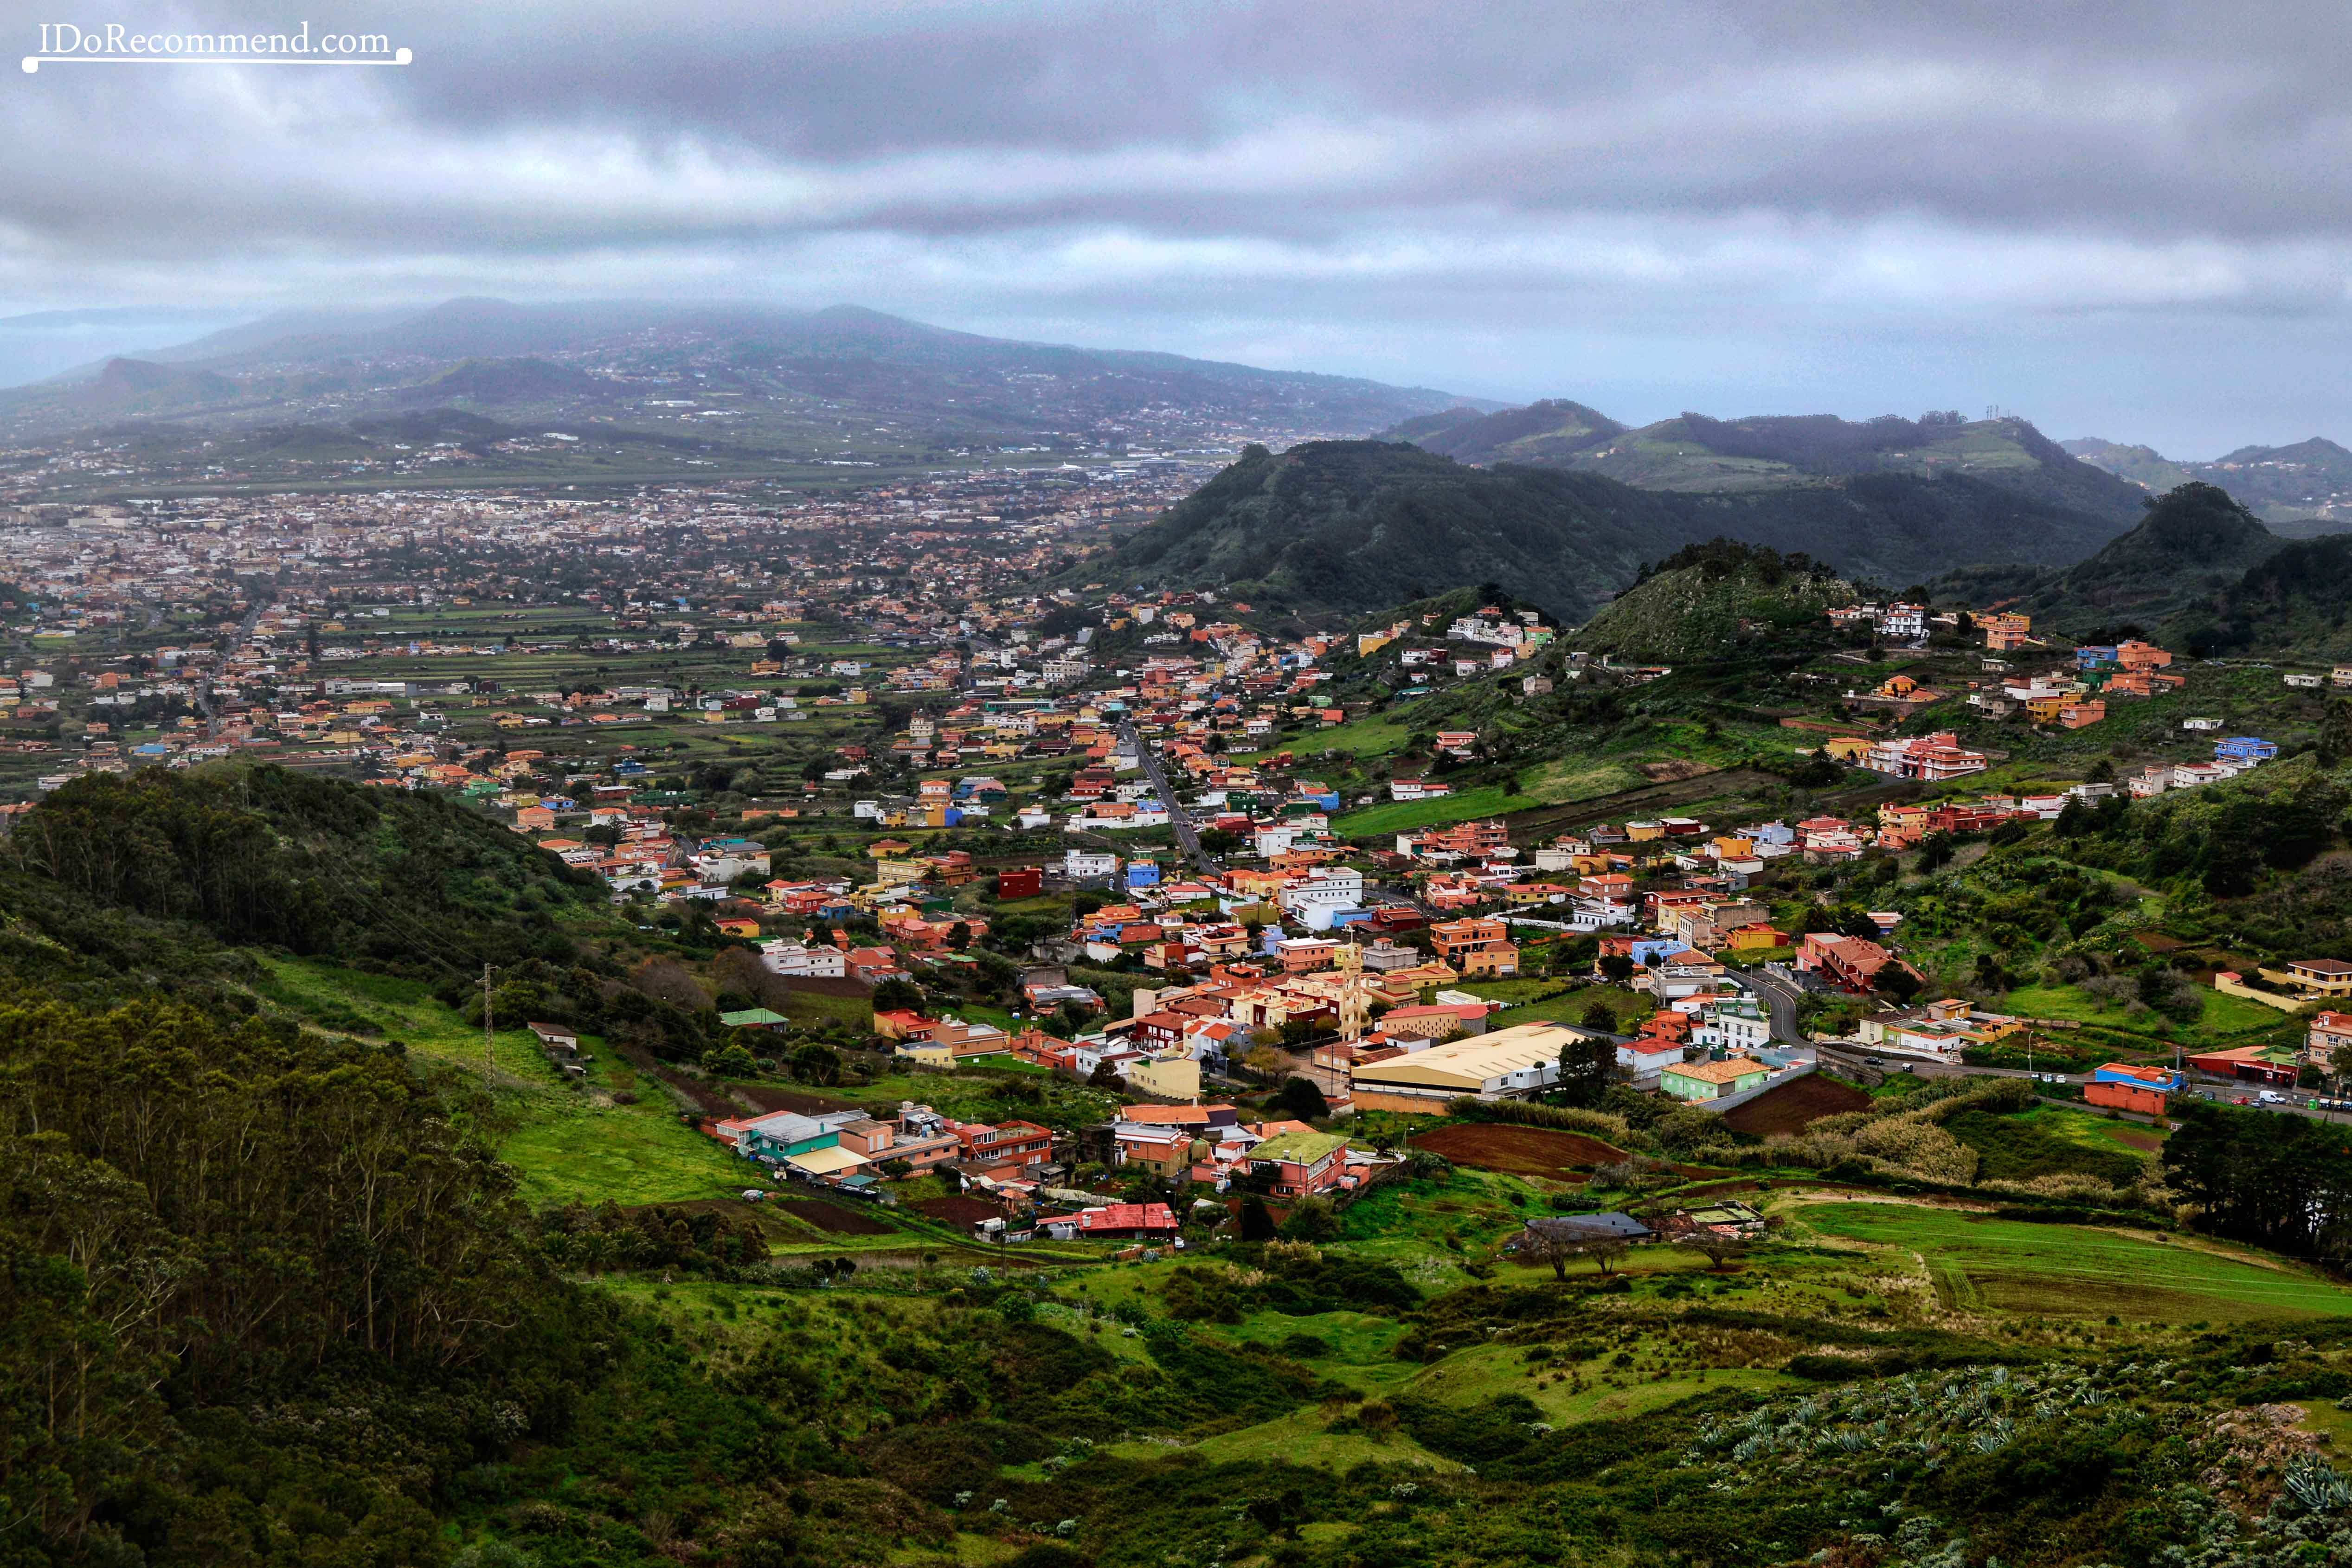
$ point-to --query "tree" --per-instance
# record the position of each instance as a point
(1599, 1016)
(1895, 980)
(1714, 1246)
(1255, 1223)
(1607, 1251)
(1558, 1243)
(897, 994)
(1313, 1219)
(733, 1061)
(1301, 1098)
(1584, 1065)
(816, 1063)
(2335, 733)
(1617, 967)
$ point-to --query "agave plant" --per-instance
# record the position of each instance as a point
(2316, 1486)
(1994, 1438)
(1752, 1447)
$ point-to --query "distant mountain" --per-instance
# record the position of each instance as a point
(1547, 433)
(2298, 491)
(801, 379)
(1714, 601)
(2194, 540)
(47, 342)
(2142, 466)
(138, 386)
(1357, 525)
(505, 381)
(1693, 452)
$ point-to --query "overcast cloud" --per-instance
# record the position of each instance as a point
(2135, 222)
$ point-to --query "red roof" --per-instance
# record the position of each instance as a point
(1122, 1218)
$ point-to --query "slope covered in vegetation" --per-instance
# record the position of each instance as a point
(1713, 601)
(1353, 526)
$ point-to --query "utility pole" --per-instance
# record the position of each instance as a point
(486, 1019)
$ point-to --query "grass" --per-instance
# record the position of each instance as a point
(1483, 1371)
(1565, 779)
(1372, 737)
(2029, 1145)
(1303, 1437)
(1404, 815)
(568, 1141)
(2079, 1271)
(2221, 1016)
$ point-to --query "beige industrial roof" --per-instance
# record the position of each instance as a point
(1468, 1063)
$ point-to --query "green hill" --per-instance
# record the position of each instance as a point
(2195, 541)
(1713, 601)
(1552, 432)
(1353, 526)
(505, 381)
(2142, 466)
(2297, 600)
(1693, 452)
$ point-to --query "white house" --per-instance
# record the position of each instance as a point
(1088, 865)
(1314, 900)
(819, 961)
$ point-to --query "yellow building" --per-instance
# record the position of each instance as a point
(1169, 1077)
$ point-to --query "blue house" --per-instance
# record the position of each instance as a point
(2090, 655)
(1143, 873)
(2245, 749)
(1650, 949)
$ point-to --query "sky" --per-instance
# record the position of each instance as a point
(2133, 222)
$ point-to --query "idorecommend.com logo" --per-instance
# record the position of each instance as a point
(69, 43)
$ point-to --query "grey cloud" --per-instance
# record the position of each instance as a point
(1521, 192)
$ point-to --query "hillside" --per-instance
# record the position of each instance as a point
(1693, 452)
(503, 381)
(774, 373)
(1355, 526)
(2194, 540)
(1551, 432)
(2297, 600)
(2142, 466)
(1712, 602)
(2300, 491)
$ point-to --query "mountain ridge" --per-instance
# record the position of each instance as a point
(1354, 526)
(799, 373)
(1696, 452)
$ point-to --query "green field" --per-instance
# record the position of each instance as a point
(2221, 1015)
(2076, 1271)
(1404, 815)
(568, 1141)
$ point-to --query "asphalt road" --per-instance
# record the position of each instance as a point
(1779, 999)
(1187, 839)
(204, 692)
